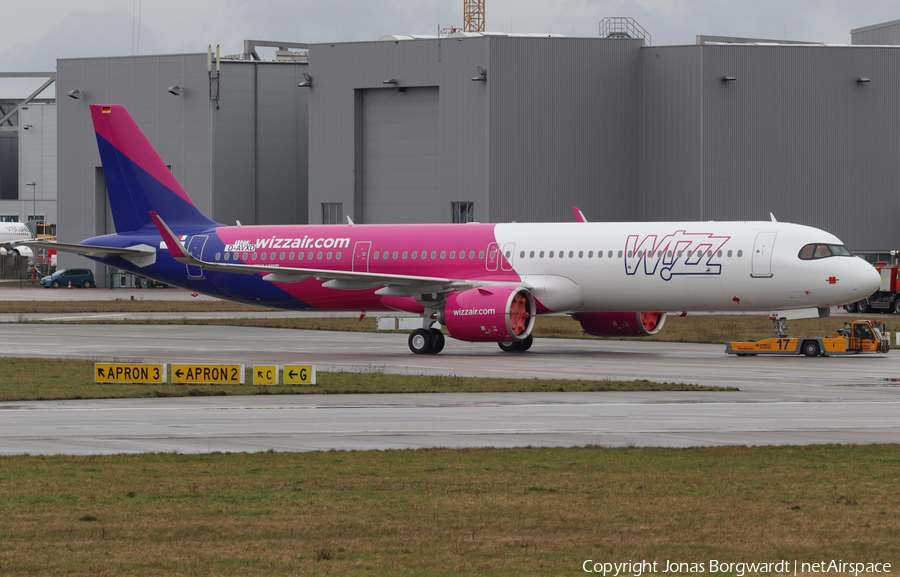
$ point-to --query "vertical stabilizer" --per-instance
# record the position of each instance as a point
(137, 179)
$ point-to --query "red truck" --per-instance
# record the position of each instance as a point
(887, 298)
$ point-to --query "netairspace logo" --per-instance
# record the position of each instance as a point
(783, 566)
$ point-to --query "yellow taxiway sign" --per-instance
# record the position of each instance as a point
(265, 374)
(129, 373)
(299, 374)
(209, 374)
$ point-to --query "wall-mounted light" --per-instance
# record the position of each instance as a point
(728, 79)
(482, 75)
(307, 81)
(391, 81)
(27, 127)
(176, 90)
(76, 94)
(863, 79)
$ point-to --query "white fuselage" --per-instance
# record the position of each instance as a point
(666, 266)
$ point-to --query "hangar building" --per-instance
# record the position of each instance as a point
(500, 127)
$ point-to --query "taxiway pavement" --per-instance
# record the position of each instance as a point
(782, 400)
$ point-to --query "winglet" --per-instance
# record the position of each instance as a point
(772, 216)
(175, 247)
(348, 220)
(579, 216)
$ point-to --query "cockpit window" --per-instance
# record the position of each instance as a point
(815, 251)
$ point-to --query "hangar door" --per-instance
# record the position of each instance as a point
(400, 157)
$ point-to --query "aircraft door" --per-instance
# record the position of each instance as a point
(761, 259)
(509, 253)
(361, 252)
(195, 249)
(492, 257)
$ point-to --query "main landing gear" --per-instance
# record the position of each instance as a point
(517, 346)
(426, 341)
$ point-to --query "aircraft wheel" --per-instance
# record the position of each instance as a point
(420, 341)
(851, 307)
(437, 341)
(811, 349)
(509, 347)
(862, 307)
(526, 344)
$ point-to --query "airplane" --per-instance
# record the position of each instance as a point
(12, 235)
(483, 282)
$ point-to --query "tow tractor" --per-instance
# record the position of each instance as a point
(856, 337)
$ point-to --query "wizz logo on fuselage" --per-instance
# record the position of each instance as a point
(680, 253)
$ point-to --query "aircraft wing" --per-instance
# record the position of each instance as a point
(86, 249)
(347, 280)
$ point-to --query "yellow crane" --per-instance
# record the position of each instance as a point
(473, 15)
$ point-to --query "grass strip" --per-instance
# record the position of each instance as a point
(50, 379)
(443, 512)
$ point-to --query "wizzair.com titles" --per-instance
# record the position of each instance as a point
(473, 312)
(275, 242)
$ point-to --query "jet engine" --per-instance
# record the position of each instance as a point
(490, 314)
(631, 324)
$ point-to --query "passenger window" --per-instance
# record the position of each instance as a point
(551, 254)
(531, 254)
(443, 254)
(404, 255)
(375, 254)
(452, 254)
(740, 253)
(591, 254)
(299, 256)
(218, 255)
(254, 256)
(580, 254)
(542, 254)
(571, 254)
(290, 256)
(394, 256)
(719, 254)
(472, 254)
(414, 255)
(630, 254)
(319, 255)
(246, 256)
(281, 256)
(433, 254)
(620, 254)
(338, 255)
(227, 256)
(328, 255)
(729, 254)
(522, 254)
(600, 254)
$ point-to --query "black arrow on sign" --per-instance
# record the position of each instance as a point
(100, 372)
(259, 374)
(292, 373)
(178, 373)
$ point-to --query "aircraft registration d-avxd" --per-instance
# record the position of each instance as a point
(483, 282)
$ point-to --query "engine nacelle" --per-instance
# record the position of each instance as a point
(630, 324)
(490, 314)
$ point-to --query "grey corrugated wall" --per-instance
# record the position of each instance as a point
(797, 135)
(564, 118)
(671, 133)
(887, 33)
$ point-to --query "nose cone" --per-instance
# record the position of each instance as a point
(866, 280)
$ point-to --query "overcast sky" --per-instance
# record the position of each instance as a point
(37, 33)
